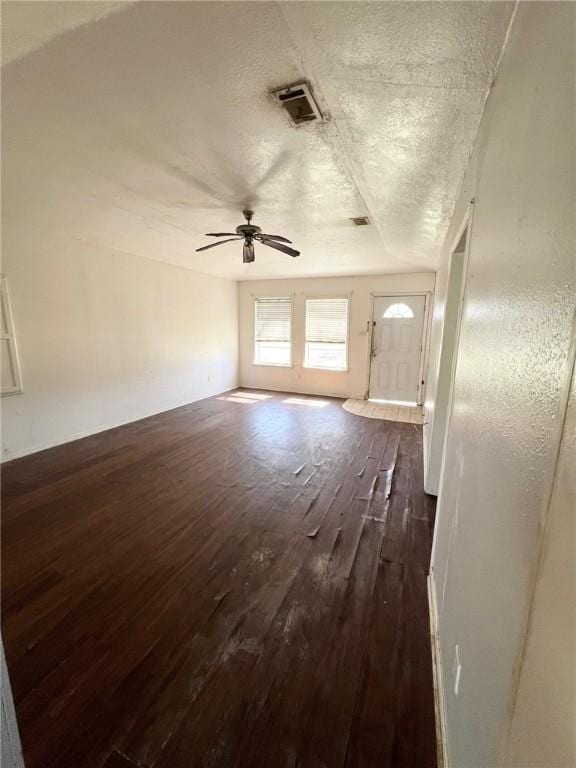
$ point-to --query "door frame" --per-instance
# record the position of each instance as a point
(467, 223)
(436, 455)
(424, 344)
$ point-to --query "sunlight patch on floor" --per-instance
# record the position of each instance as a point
(233, 399)
(304, 401)
(253, 395)
(245, 397)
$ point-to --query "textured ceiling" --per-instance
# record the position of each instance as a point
(30, 25)
(142, 129)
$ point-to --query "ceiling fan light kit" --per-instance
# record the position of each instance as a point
(249, 233)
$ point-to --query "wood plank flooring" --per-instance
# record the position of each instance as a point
(238, 582)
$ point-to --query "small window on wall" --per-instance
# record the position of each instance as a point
(11, 378)
(273, 331)
(326, 334)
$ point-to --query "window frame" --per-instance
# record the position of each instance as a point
(255, 300)
(348, 297)
(10, 338)
(399, 304)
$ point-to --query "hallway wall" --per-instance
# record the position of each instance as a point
(511, 377)
(543, 730)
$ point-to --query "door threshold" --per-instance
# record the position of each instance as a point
(410, 403)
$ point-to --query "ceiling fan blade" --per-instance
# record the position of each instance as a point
(248, 255)
(213, 245)
(280, 247)
(221, 234)
(276, 237)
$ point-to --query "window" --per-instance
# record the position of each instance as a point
(398, 310)
(326, 334)
(11, 378)
(273, 331)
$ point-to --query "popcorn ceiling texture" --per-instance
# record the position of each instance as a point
(157, 127)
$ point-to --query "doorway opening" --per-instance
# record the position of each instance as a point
(439, 417)
(396, 355)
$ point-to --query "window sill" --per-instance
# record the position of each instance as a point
(10, 392)
(273, 365)
(330, 370)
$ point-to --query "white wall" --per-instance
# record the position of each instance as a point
(106, 338)
(511, 377)
(350, 383)
(543, 729)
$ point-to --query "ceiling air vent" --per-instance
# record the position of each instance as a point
(361, 221)
(298, 101)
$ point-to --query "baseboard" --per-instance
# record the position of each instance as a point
(432, 490)
(439, 708)
(425, 445)
(339, 395)
(10, 737)
(103, 428)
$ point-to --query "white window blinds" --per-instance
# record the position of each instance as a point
(273, 331)
(326, 333)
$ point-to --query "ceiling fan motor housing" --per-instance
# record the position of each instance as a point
(248, 230)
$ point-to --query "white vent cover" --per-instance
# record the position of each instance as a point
(299, 103)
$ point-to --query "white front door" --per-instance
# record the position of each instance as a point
(398, 323)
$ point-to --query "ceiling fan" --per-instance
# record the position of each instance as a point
(249, 232)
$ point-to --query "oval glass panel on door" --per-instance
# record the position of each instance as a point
(397, 348)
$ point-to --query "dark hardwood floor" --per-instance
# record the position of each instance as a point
(238, 582)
